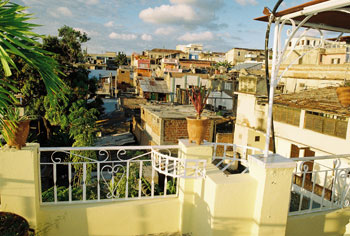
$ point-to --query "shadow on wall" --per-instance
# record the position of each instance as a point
(17, 197)
(215, 219)
(329, 223)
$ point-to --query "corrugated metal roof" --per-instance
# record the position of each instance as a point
(154, 86)
(248, 66)
(101, 73)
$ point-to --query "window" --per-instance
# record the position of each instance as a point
(335, 60)
(308, 42)
(326, 124)
(290, 44)
(238, 53)
(288, 115)
(257, 138)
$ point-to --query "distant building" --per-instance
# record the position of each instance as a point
(165, 124)
(141, 65)
(158, 53)
(106, 83)
(179, 82)
(307, 123)
(170, 65)
(104, 61)
(239, 55)
(318, 52)
(124, 79)
(152, 89)
(193, 50)
(212, 56)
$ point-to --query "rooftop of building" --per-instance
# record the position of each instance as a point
(182, 74)
(101, 73)
(196, 61)
(248, 49)
(170, 111)
(248, 66)
(154, 86)
(162, 50)
(321, 100)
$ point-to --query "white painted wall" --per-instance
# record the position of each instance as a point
(247, 114)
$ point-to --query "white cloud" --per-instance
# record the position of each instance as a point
(183, 1)
(146, 37)
(114, 35)
(168, 14)
(109, 24)
(165, 31)
(247, 2)
(64, 11)
(203, 36)
(92, 2)
(188, 13)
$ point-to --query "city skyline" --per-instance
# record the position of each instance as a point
(137, 25)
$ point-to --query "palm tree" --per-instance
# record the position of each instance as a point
(18, 39)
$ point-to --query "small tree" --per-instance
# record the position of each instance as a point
(121, 59)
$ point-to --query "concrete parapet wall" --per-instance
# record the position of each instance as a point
(139, 217)
(335, 223)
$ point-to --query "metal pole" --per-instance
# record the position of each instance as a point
(272, 89)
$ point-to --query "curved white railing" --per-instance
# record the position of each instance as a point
(233, 156)
(178, 168)
(320, 184)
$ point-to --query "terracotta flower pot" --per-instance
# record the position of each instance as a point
(344, 96)
(197, 128)
(19, 134)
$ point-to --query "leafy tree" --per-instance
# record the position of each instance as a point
(55, 112)
(224, 64)
(121, 59)
(17, 39)
(67, 47)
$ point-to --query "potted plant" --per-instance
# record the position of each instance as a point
(197, 126)
(13, 224)
(15, 128)
(343, 93)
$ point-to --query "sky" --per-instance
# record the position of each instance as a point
(137, 25)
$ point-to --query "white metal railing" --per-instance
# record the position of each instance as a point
(178, 168)
(319, 184)
(89, 174)
(233, 158)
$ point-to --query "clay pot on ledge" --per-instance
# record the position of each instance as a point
(197, 128)
(19, 135)
(343, 94)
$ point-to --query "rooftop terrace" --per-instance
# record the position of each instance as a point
(176, 111)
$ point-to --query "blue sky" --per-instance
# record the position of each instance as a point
(137, 25)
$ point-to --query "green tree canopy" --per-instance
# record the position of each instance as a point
(17, 40)
(121, 59)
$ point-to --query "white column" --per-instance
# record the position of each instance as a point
(274, 177)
